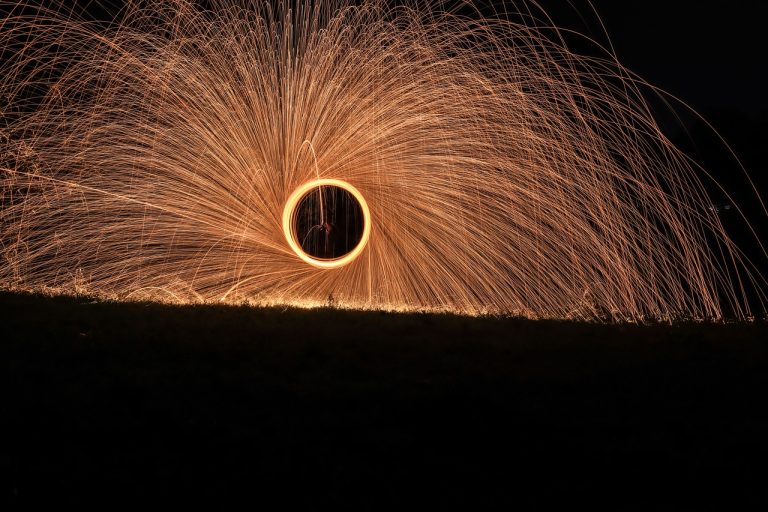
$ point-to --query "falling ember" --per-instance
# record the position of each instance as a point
(400, 157)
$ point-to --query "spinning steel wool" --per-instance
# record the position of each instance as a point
(400, 158)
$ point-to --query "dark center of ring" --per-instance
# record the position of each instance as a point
(328, 222)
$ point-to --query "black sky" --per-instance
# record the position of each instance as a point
(712, 54)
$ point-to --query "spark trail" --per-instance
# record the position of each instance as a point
(153, 157)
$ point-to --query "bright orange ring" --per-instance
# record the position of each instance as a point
(288, 230)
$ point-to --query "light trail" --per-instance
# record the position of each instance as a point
(163, 157)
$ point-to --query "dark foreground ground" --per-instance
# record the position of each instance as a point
(114, 403)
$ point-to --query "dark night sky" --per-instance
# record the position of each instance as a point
(709, 53)
(712, 55)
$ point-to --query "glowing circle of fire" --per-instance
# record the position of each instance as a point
(290, 229)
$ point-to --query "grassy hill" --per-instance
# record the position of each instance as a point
(108, 403)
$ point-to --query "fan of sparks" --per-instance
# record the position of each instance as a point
(152, 157)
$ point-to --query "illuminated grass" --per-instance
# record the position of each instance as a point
(325, 408)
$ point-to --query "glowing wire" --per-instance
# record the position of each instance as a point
(289, 212)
